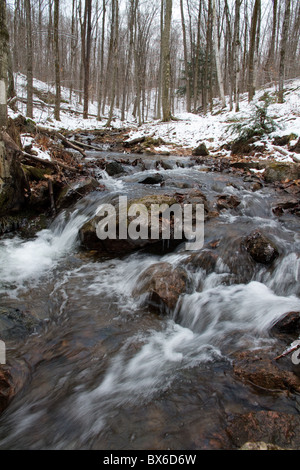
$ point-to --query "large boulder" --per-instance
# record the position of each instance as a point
(200, 151)
(116, 245)
(277, 171)
(14, 188)
(163, 284)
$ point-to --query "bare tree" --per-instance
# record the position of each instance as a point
(284, 38)
(57, 60)
(166, 64)
(87, 55)
(3, 64)
(186, 64)
(29, 111)
(253, 39)
(217, 55)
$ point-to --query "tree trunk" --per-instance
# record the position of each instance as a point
(269, 67)
(217, 55)
(253, 31)
(236, 53)
(57, 61)
(186, 66)
(29, 110)
(115, 41)
(166, 64)
(3, 64)
(283, 45)
(197, 59)
(100, 91)
(87, 56)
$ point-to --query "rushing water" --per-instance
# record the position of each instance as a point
(104, 371)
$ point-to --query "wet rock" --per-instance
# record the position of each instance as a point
(167, 238)
(90, 240)
(75, 191)
(275, 428)
(260, 248)
(7, 390)
(153, 179)
(256, 186)
(289, 325)
(226, 201)
(259, 369)
(290, 205)
(114, 168)
(16, 324)
(163, 285)
(200, 151)
(281, 171)
(205, 260)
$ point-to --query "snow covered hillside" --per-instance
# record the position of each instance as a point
(187, 131)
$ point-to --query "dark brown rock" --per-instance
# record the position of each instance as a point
(261, 249)
(74, 191)
(200, 151)
(260, 369)
(163, 285)
(226, 201)
(272, 427)
(7, 390)
(289, 324)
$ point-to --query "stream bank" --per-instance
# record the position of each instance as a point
(107, 356)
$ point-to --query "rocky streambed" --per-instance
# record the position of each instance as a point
(147, 345)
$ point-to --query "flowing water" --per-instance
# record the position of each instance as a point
(103, 371)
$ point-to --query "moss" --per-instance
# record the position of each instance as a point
(36, 174)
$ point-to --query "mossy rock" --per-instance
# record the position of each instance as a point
(281, 171)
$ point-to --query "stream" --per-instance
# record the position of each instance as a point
(103, 371)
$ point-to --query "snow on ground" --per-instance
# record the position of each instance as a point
(26, 139)
(187, 131)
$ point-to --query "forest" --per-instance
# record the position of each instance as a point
(141, 56)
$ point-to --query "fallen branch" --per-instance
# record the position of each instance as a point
(53, 132)
(52, 163)
(288, 351)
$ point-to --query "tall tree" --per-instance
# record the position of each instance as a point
(114, 52)
(217, 54)
(235, 53)
(87, 56)
(186, 62)
(269, 66)
(166, 63)
(57, 61)
(101, 69)
(3, 64)
(283, 45)
(253, 41)
(28, 15)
